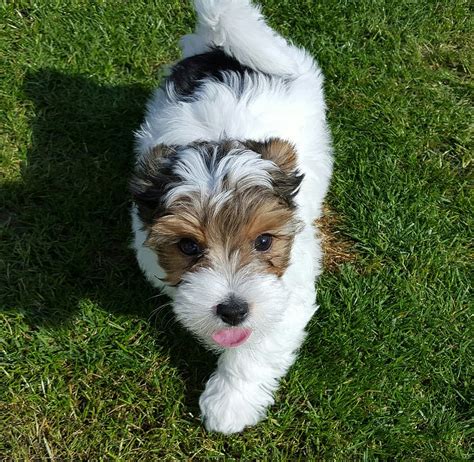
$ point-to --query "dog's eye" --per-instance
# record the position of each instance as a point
(189, 247)
(263, 242)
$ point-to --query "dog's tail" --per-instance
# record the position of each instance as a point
(239, 29)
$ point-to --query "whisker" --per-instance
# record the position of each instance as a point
(171, 321)
(158, 295)
(157, 310)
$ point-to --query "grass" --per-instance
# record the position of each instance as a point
(386, 371)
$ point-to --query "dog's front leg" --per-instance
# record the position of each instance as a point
(241, 389)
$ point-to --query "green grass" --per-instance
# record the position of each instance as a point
(386, 371)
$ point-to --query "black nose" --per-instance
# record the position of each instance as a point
(233, 311)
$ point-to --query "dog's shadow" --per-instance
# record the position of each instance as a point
(66, 220)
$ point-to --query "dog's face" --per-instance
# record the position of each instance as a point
(221, 219)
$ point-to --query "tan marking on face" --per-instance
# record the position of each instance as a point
(164, 236)
(230, 231)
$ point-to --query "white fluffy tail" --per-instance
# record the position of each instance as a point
(239, 29)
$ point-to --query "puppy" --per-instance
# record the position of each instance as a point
(233, 163)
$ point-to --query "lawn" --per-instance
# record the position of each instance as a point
(92, 369)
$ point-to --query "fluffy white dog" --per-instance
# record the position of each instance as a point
(233, 162)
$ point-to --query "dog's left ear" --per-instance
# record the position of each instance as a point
(152, 177)
(282, 153)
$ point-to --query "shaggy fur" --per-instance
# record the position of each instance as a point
(234, 147)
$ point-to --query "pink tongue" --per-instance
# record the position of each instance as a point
(231, 337)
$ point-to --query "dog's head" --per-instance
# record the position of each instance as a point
(221, 219)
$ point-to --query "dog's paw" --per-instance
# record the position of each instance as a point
(230, 407)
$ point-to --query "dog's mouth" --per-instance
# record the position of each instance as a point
(231, 337)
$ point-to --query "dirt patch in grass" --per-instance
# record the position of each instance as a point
(337, 248)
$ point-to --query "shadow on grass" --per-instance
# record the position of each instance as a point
(66, 223)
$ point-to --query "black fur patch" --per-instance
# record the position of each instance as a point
(188, 75)
(286, 186)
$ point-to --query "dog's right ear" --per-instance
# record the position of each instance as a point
(151, 180)
(282, 153)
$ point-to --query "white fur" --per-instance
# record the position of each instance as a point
(288, 103)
